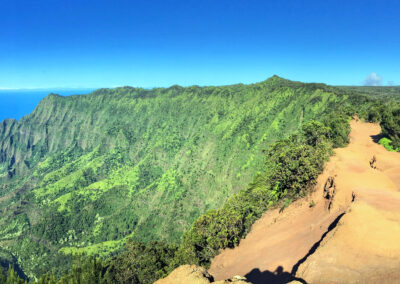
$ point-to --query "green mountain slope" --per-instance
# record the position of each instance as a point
(85, 173)
(383, 93)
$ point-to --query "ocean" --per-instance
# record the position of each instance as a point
(18, 103)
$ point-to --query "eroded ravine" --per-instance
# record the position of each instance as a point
(350, 235)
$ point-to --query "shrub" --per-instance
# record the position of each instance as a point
(387, 143)
(339, 126)
(140, 263)
(391, 125)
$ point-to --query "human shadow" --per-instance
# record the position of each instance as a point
(279, 276)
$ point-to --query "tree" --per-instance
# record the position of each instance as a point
(339, 126)
(47, 279)
(314, 132)
(2, 277)
(13, 278)
(141, 263)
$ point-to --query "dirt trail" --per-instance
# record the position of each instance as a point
(350, 235)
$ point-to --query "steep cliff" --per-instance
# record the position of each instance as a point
(84, 173)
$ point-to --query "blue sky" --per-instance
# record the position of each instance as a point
(75, 44)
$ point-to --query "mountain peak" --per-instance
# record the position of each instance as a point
(276, 79)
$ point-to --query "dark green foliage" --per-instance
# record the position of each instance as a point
(297, 165)
(13, 278)
(47, 278)
(89, 270)
(390, 123)
(84, 270)
(314, 133)
(293, 164)
(2, 276)
(51, 227)
(375, 112)
(215, 230)
(339, 128)
(385, 110)
(140, 263)
(387, 113)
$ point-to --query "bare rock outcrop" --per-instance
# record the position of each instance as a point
(193, 274)
(329, 191)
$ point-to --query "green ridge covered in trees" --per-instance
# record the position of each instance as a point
(85, 174)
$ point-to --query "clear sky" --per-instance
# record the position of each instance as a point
(81, 43)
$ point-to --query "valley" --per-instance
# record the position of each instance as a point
(149, 180)
(82, 174)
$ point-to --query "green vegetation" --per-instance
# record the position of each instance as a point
(11, 277)
(387, 93)
(291, 168)
(141, 263)
(387, 113)
(82, 175)
(390, 123)
(387, 143)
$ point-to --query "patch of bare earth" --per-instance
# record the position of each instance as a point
(350, 235)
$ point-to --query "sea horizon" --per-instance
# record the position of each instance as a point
(16, 103)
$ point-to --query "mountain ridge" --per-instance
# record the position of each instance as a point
(142, 163)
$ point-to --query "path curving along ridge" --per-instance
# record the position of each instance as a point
(350, 235)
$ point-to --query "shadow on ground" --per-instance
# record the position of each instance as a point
(279, 276)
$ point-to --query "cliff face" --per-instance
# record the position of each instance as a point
(84, 173)
(56, 124)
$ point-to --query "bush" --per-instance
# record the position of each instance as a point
(391, 125)
(315, 132)
(375, 113)
(140, 263)
(387, 143)
(293, 167)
